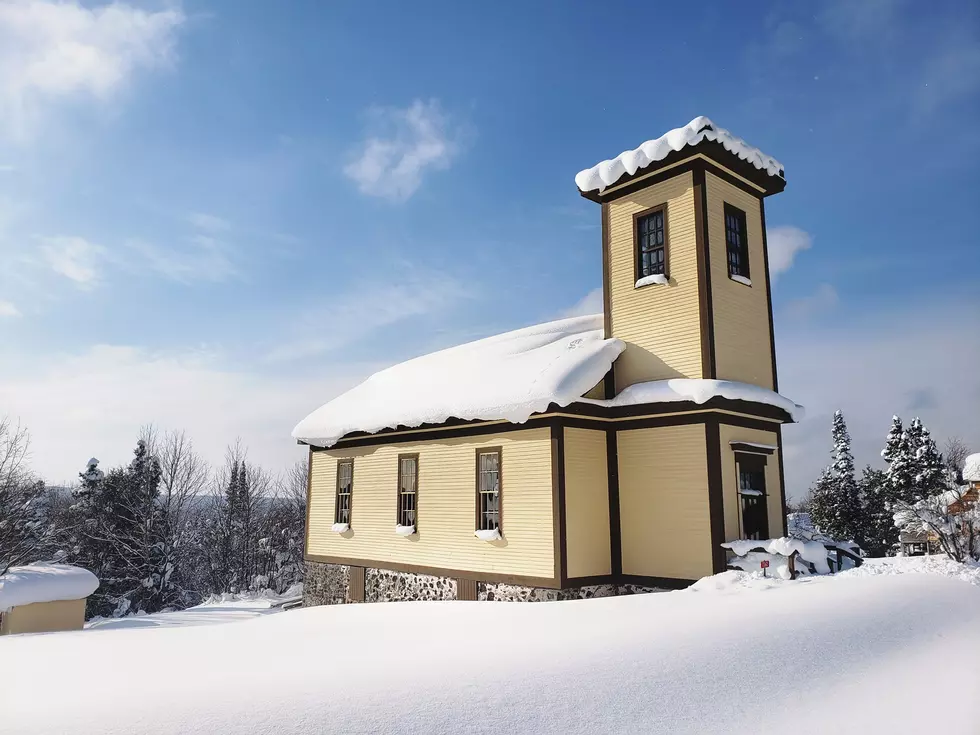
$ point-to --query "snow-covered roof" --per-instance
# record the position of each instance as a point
(971, 468)
(699, 391)
(699, 129)
(45, 583)
(509, 376)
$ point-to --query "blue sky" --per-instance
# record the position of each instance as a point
(214, 216)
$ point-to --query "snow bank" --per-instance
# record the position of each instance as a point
(699, 391)
(665, 665)
(509, 376)
(971, 468)
(811, 551)
(700, 128)
(45, 583)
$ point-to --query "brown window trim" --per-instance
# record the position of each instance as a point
(740, 214)
(636, 241)
(350, 494)
(398, 491)
(749, 448)
(499, 451)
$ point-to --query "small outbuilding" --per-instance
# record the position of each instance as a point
(43, 598)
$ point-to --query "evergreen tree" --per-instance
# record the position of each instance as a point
(931, 476)
(880, 533)
(836, 506)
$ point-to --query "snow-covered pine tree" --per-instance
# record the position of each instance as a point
(148, 565)
(836, 506)
(931, 476)
(881, 535)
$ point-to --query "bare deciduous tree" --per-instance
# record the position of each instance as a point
(955, 453)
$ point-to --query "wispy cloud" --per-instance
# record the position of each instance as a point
(369, 305)
(8, 309)
(54, 50)
(205, 259)
(784, 243)
(822, 300)
(75, 258)
(591, 303)
(208, 222)
(416, 139)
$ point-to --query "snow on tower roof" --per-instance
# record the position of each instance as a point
(699, 129)
(509, 376)
(971, 468)
(45, 583)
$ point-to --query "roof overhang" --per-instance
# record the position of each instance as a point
(708, 155)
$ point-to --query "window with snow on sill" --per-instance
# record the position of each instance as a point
(404, 530)
(488, 534)
(741, 279)
(656, 279)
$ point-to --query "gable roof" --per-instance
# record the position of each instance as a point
(508, 376)
(700, 129)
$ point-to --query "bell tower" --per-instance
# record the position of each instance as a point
(685, 269)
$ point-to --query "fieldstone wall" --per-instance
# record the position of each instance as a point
(327, 584)
(382, 585)
(324, 584)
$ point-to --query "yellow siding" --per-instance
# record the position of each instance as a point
(446, 506)
(741, 313)
(660, 324)
(729, 475)
(44, 617)
(663, 500)
(586, 503)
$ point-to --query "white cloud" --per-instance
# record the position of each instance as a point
(73, 257)
(207, 259)
(55, 50)
(94, 402)
(8, 309)
(784, 243)
(208, 222)
(370, 305)
(822, 300)
(591, 303)
(416, 139)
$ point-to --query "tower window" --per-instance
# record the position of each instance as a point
(737, 242)
(650, 230)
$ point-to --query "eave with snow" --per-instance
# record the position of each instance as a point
(587, 453)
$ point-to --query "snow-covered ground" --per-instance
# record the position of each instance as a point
(219, 609)
(865, 651)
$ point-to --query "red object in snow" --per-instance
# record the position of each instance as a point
(764, 563)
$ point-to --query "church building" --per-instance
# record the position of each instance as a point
(597, 455)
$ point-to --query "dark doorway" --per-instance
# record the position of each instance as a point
(752, 492)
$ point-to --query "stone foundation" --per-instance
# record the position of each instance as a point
(327, 584)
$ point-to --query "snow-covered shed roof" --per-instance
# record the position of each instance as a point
(509, 376)
(45, 583)
(701, 128)
(971, 468)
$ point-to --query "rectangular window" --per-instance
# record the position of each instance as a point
(737, 242)
(752, 494)
(651, 243)
(488, 489)
(408, 483)
(345, 486)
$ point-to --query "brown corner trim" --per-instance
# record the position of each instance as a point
(716, 499)
(749, 448)
(558, 501)
(309, 491)
(606, 276)
(612, 487)
(609, 382)
(782, 477)
(546, 582)
(765, 258)
(704, 274)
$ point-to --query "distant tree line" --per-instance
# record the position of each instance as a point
(163, 532)
(919, 490)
